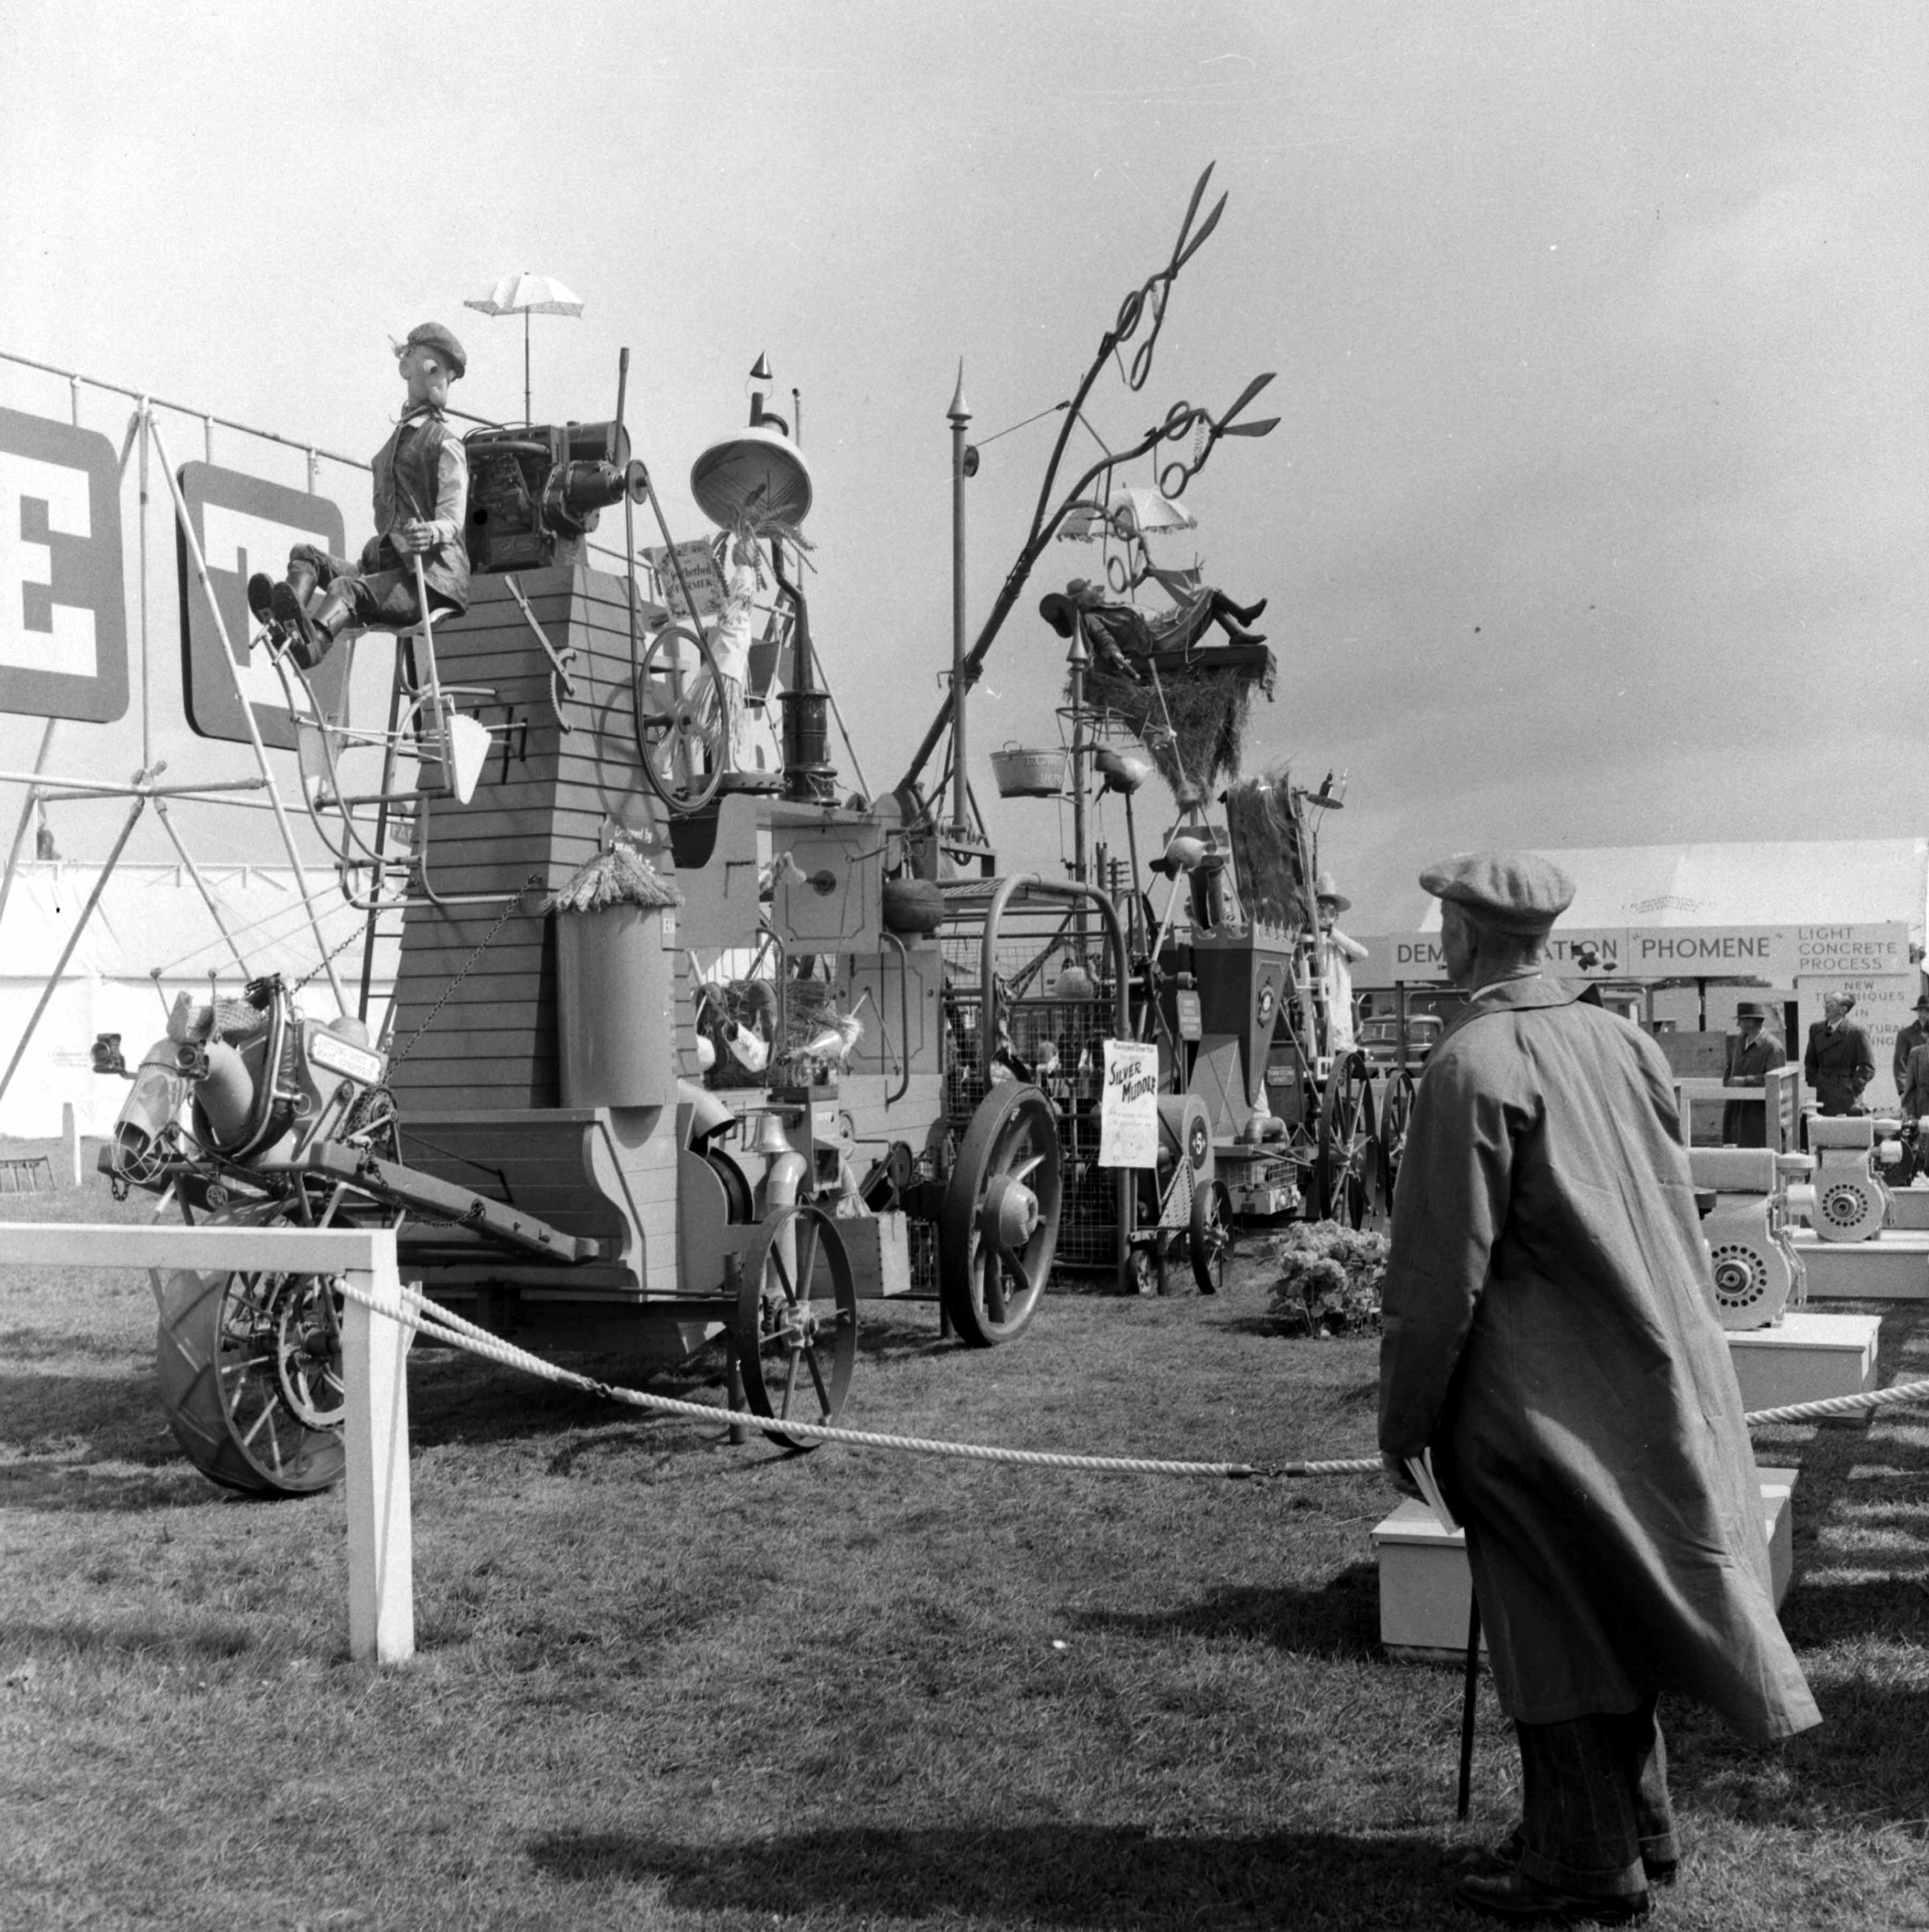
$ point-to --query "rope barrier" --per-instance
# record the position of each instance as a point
(426, 1318)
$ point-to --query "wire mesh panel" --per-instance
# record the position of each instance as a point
(1055, 1012)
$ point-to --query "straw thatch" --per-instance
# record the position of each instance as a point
(1207, 709)
(620, 876)
(1273, 850)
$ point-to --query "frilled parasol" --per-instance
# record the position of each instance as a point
(526, 295)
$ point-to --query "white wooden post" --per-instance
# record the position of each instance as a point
(381, 1566)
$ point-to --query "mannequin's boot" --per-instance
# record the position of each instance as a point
(314, 632)
(1250, 614)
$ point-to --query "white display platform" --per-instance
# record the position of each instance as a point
(1809, 1356)
(1893, 1267)
(1908, 1207)
(1425, 1589)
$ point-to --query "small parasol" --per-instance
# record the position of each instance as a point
(526, 295)
(1128, 512)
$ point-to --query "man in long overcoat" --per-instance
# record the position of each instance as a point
(1756, 1054)
(1839, 1063)
(1908, 1038)
(1550, 1338)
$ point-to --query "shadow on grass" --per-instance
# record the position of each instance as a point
(1339, 1619)
(178, 1639)
(62, 1486)
(1048, 1874)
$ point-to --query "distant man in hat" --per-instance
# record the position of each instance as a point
(1908, 1038)
(1839, 1063)
(1335, 957)
(421, 502)
(1550, 1338)
(1755, 1055)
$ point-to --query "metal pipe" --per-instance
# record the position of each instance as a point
(192, 542)
(201, 886)
(67, 952)
(33, 799)
(960, 414)
(94, 788)
(180, 408)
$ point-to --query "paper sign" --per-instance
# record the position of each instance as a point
(698, 565)
(1129, 1105)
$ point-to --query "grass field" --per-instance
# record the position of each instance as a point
(666, 1683)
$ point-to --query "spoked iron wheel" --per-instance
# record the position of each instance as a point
(1210, 1236)
(796, 1330)
(1395, 1117)
(1342, 1168)
(250, 1376)
(682, 731)
(998, 1229)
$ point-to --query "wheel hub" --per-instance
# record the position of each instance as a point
(1009, 1215)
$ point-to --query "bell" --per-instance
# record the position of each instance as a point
(771, 1138)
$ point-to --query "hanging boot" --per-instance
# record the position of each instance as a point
(315, 632)
(1250, 614)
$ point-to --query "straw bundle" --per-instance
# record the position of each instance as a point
(1207, 709)
(620, 876)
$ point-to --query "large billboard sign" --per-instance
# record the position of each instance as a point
(63, 609)
(244, 524)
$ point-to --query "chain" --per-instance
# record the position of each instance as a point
(327, 960)
(515, 899)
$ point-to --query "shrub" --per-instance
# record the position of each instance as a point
(1329, 1280)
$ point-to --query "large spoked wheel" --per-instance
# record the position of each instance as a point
(683, 728)
(796, 1330)
(1395, 1117)
(251, 1378)
(1209, 1238)
(1342, 1168)
(998, 1229)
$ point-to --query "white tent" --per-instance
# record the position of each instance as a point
(1814, 882)
(151, 937)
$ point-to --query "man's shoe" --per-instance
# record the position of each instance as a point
(1660, 1871)
(290, 612)
(261, 595)
(1520, 1901)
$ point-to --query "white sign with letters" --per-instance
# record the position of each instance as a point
(1129, 1105)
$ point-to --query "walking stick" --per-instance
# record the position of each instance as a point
(1467, 1702)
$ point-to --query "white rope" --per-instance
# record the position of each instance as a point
(443, 1325)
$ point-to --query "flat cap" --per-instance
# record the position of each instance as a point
(441, 338)
(1518, 891)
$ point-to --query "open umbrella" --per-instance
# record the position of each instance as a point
(526, 295)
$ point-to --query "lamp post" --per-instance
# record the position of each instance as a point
(960, 414)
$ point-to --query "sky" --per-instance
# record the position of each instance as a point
(1595, 515)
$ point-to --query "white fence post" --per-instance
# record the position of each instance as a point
(381, 1583)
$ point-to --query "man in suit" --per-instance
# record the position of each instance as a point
(1916, 1034)
(1839, 1063)
(1755, 1054)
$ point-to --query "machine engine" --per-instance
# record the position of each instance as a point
(239, 1083)
(1758, 1271)
(1851, 1199)
(533, 491)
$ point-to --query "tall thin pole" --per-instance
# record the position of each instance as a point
(199, 563)
(54, 978)
(960, 413)
(527, 416)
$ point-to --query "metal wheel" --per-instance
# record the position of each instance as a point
(998, 1229)
(251, 1376)
(1342, 1168)
(1209, 1239)
(1395, 1117)
(796, 1330)
(683, 728)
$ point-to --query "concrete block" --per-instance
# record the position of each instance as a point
(1807, 1357)
(1425, 1589)
(1893, 1267)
